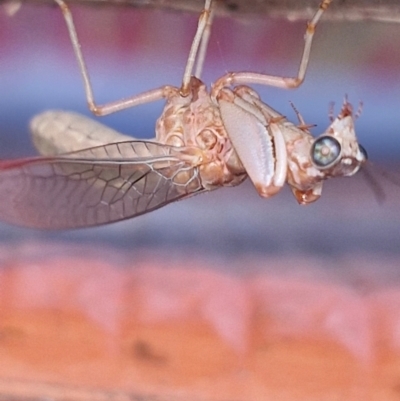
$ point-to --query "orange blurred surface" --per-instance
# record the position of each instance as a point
(180, 327)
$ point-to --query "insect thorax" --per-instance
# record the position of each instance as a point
(194, 121)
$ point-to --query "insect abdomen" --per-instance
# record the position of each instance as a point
(55, 132)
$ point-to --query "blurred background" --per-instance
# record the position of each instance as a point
(335, 253)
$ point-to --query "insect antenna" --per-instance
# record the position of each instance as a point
(331, 111)
(374, 184)
(387, 175)
(359, 110)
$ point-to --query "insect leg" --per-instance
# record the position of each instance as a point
(272, 80)
(198, 41)
(112, 107)
(204, 45)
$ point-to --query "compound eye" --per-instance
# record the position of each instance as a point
(363, 152)
(325, 151)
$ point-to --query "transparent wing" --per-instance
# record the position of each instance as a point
(94, 186)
